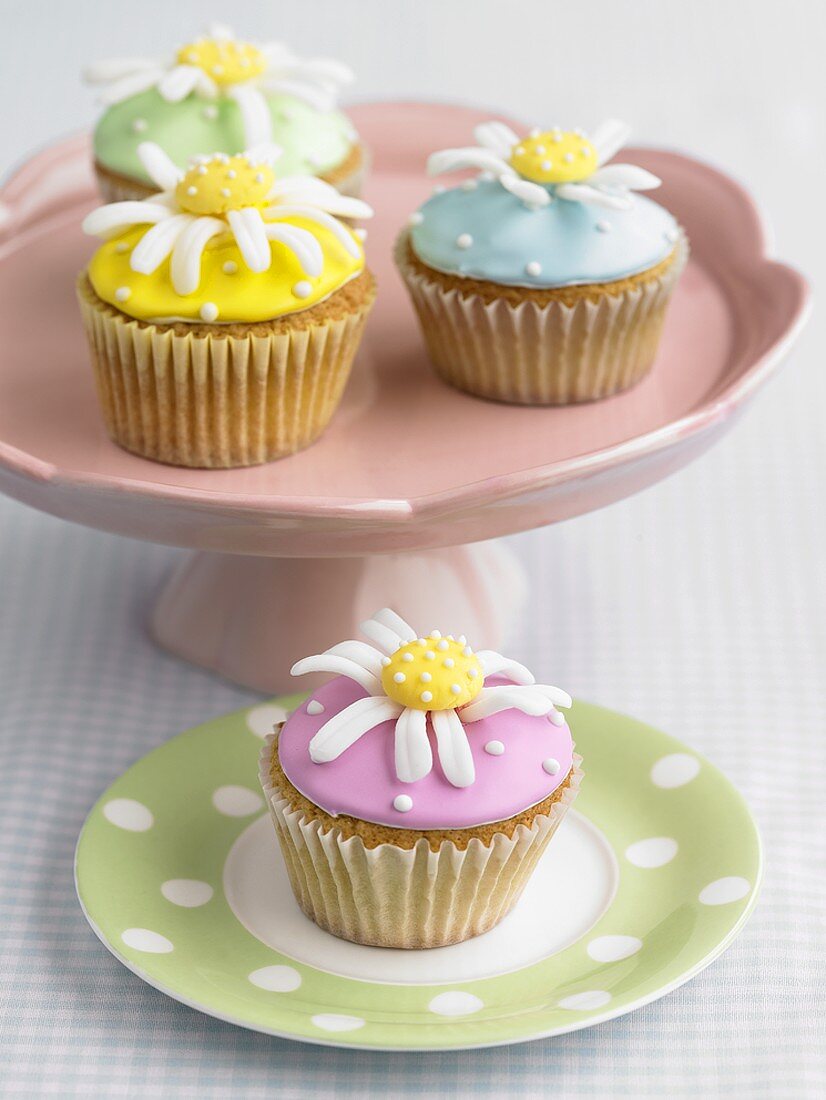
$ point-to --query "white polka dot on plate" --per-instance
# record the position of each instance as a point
(260, 720)
(144, 939)
(236, 801)
(674, 770)
(331, 1021)
(606, 949)
(582, 1002)
(187, 892)
(725, 890)
(654, 851)
(455, 1002)
(276, 979)
(129, 814)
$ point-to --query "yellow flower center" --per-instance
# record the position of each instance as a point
(225, 60)
(557, 156)
(224, 183)
(433, 673)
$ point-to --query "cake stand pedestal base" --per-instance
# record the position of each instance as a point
(250, 618)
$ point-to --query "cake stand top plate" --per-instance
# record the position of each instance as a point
(407, 463)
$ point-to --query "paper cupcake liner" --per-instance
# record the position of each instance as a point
(406, 897)
(117, 188)
(553, 354)
(216, 401)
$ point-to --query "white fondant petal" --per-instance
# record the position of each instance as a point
(119, 215)
(179, 82)
(360, 652)
(492, 700)
(497, 137)
(495, 663)
(220, 32)
(453, 748)
(327, 71)
(532, 194)
(302, 244)
(414, 757)
(157, 243)
(345, 728)
(160, 167)
(339, 666)
(318, 98)
(265, 152)
(255, 114)
(387, 639)
(115, 68)
(130, 85)
(302, 190)
(592, 196)
(250, 233)
(556, 695)
(389, 618)
(629, 176)
(452, 160)
(185, 269)
(609, 137)
(340, 232)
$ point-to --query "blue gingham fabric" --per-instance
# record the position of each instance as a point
(697, 606)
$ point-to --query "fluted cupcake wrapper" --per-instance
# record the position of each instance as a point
(389, 896)
(220, 400)
(529, 354)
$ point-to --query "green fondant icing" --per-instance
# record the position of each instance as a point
(313, 142)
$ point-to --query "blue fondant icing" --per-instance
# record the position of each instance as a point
(571, 242)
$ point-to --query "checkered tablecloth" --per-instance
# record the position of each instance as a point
(698, 606)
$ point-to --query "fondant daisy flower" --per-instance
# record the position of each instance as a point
(561, 163)
(222, 194)
(415, 681)
(219, 64)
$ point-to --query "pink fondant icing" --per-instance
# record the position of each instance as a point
(362, 781)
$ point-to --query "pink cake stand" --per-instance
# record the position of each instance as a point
(392, 504)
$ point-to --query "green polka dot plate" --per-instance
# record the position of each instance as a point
(650, 877)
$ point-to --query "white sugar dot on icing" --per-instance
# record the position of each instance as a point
(725, 890)
(464, 240)
(443, 645)
(582, 1002)
(231, 174)
(192, 189)
(403, 803)
(385, 661)
(426, 677)
(123, 293)
(208, 312)
(426, 696)
(314, 707)
(546, 166)
(675, 770)
(121, 247)
(416, 218)
(276, 979)
(551, 766)
(139, 125)
(603, 226)
(429, 655)
(407, 657)
(262, 719)
(230, 267)
(399, 677)
(533, 268)
(613, 948)
(129, 814)
(187, 892)
(448, 662)
(455, 1002)
(234, 801)
(456, 689)
(654, 851)
(472, 673)
(568, 158)
(210, 112)
(494, 748)
(225, 191)
(333, 1021)
(302, 289)
(144, 939)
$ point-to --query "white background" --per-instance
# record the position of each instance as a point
(699, 606)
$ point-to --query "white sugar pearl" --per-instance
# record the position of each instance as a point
(533, 268)
(302, 289)
(192, 189)
(472, 673)
(121, 247)
(568, 158)
(210, 112)
(139, 125)
(603, 227)
(442, 645)
(403, 803)
(123, 293)
(225, 191)
(416, 218)
(448, 662)
(540, 150)
(231, 174)
(494, 748)
(425, 677)
(546, 166)
(399, 677)
(230, 267)
(201, 169)
(407, 657)
(464, 240)
(456, 689)
(468, 652)
(208, 312)
(429, 655)
(550, 765)
(426, 696)
(385, 661)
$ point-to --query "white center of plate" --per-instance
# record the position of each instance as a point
(572, 886)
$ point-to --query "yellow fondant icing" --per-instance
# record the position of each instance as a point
(227, 284)
(433, 673)
(224, 183)
(556, 156)
(226, 61)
